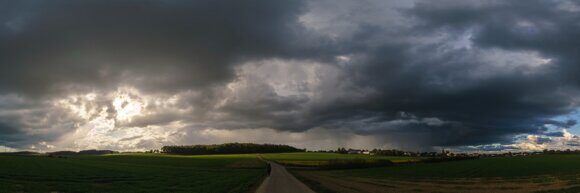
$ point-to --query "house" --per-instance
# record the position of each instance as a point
(354, 151)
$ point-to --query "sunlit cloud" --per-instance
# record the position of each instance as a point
(416, 75)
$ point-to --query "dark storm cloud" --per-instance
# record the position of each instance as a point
(7, 132)
(561, 124)
(554, 134)
(440, 73)
(488, 110)
(49, 45)
(549, 27)
(432, 80)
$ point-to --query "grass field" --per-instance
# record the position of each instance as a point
(240, 173)
(317, 159)
(549, 173)
(130, 173)
(505, 167)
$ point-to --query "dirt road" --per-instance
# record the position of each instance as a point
(281, 181)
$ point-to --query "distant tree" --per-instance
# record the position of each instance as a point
(229, 148)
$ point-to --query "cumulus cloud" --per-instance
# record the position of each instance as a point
(405, 74)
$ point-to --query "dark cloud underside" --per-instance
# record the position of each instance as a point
(423, 74)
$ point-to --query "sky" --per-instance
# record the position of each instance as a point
(134, 75)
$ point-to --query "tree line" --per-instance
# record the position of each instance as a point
(229, 148)
(386, 152)
(83, 152)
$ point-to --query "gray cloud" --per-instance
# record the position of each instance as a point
(423, 74)
(154, 45)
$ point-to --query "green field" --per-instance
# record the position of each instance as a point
(317, 159)
(505, 167)
(542, 173)
(242, 173)
(130, 173)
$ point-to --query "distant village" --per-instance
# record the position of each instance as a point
(445, 153)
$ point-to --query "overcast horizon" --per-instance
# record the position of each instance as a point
(413, 75)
